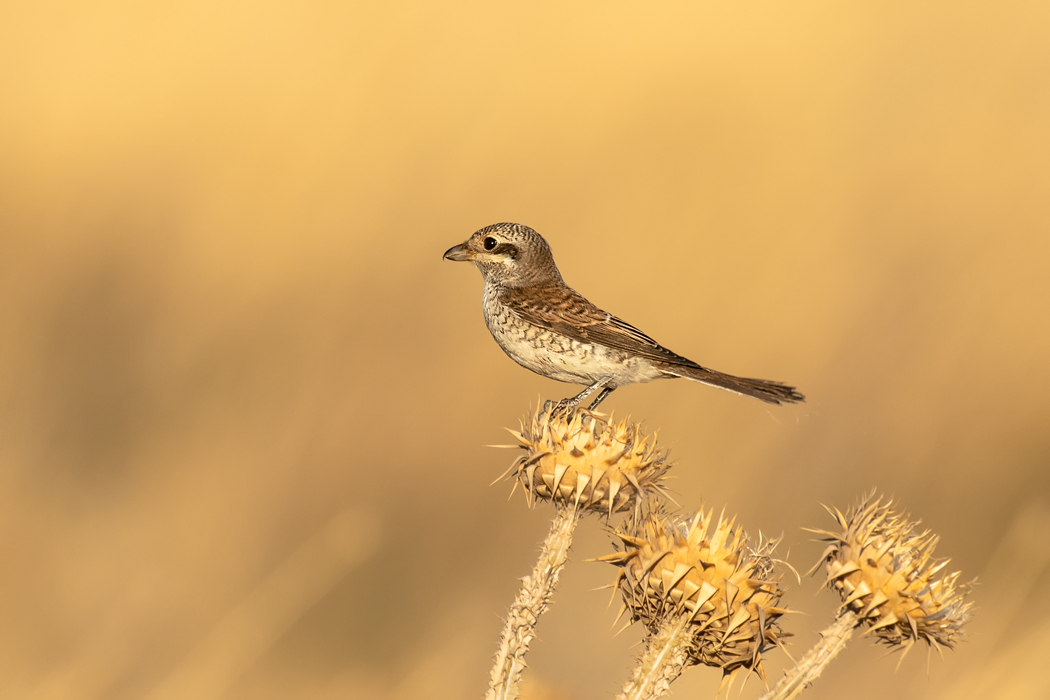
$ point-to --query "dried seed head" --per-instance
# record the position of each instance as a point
(672, 567)
(885, 572)
(577, 457)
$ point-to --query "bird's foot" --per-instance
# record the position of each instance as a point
(570, 406)
(564, 407)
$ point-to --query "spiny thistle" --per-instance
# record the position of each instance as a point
(673, 568)
(886, 574)
(579, 462)
(579, 458)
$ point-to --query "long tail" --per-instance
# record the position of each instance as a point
(761, 389)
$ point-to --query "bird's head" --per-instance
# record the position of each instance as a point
(510, 255)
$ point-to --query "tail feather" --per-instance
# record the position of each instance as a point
(761, 389)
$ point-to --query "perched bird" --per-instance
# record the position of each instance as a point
(549, 328)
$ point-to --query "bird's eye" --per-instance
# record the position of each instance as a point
(490, 243)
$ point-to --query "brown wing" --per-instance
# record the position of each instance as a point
(562, 310)
(567, 312)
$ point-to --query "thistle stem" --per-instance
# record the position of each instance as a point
(531, 602)
(832, 641)
(665, 657)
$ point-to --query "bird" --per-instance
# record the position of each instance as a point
(547, 327)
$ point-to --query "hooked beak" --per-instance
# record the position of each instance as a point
(458, 253)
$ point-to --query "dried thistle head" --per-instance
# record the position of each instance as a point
(672, 566)
(885, 572)
(577, 457)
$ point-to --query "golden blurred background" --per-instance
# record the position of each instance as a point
(245, 403)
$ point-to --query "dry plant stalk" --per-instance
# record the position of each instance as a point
(666, 656)
(531, 602)
(832, 641)
(579, 462)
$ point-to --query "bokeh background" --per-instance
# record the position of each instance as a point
(244, 403)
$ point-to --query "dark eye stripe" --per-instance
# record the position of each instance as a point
(506, 249)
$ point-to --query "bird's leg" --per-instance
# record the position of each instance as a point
(601, 397)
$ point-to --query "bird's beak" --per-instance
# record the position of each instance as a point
(458, 253)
